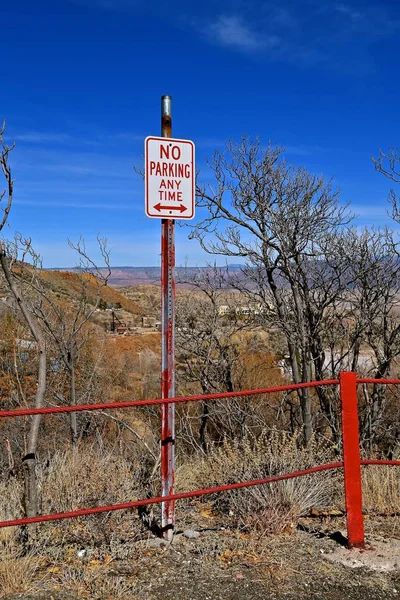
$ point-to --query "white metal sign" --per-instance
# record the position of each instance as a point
(169, 178)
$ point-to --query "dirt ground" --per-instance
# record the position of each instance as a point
(214, 563)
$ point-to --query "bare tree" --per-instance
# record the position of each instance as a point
(280, 220)
(207, 344)
(374, 310)
(7, 261)
(220, 348)
(329, 289)
(66, 325)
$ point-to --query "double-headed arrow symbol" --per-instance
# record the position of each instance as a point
(160, 207)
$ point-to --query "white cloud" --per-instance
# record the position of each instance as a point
(233, 32)
(86, 169)
(302, 150)
(347, 10)
(209, 143)
(83, 205)
(305, 33)
(37, 137)
(108, 4)
(367, 210)
(41, 138)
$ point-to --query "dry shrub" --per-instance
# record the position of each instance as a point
(10, 507)
(270, 507)
(18, 574)
(85, 477)
(82, 477)
(381, 489)
(96, 584)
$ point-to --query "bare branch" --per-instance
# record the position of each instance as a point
(9, 189)
(388, 164)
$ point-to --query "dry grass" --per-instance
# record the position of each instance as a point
(85, 477)
(73, 479)
(88, 476)
(94, 582)
(19, 574)
(32, 572)
(271, 507)
(77, 478)
(10, 506)
(381, 489)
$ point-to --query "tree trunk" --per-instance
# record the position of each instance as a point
(305, 403)
(72, 399)
(203, 427)
(31, 501)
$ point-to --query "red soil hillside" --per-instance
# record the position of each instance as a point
(70, 284)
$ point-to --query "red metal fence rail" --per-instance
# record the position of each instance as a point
(351, 452)
(195, 398)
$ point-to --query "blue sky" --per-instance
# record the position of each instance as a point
(81, 82)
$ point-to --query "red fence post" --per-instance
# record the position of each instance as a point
(351, 460)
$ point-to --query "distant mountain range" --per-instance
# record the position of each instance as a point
(125, 276)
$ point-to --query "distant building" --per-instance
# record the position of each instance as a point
(26, 344)
(149, 321)
(253, 308)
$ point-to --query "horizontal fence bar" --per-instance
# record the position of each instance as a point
(382, 381)
(130, 403)
(390, 463)
(194, 494)
(195, 398)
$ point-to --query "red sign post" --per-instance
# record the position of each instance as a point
(168, 346)
(170, 194)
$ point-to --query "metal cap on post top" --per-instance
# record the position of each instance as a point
(166, 116)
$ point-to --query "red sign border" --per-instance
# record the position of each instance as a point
(158, 215)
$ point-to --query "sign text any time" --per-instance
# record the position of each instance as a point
(169, 177)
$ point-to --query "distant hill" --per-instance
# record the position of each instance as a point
(66, 287)
(127, 276)
(69, 284)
